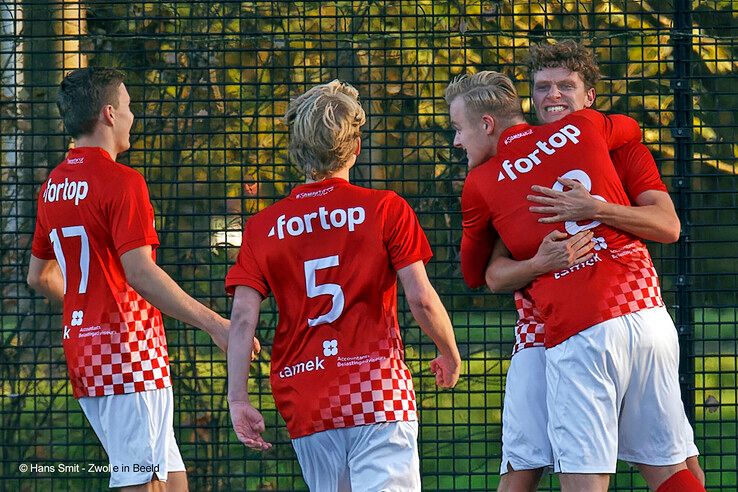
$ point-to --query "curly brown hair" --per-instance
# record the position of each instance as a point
(568, 54)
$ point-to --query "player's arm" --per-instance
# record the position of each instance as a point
(653, 217)
(478, 236)
(247, 421)
(557, 251)
(433, 319)
(157, 287)
(45, 276)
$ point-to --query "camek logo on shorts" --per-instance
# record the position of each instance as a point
(304, 224)
(569, 133)
(68, 190)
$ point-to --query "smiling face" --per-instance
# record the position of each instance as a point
(471, 135)
(558, 92)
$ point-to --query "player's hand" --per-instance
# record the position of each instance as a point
(561, 206)
(255, 349)
(559, 250)
(248, 424)
(447, 370)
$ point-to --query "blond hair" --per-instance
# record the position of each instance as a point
(486, 92)
(324, 124)
(565, 54)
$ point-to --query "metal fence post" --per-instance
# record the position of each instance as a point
(681, 39)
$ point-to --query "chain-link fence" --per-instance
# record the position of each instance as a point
(209, 83)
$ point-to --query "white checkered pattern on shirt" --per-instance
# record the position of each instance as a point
(129, 356)
(529, 329)
(377, 391)
(636, 289)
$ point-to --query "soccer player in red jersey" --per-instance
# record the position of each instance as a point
(93, 251)
(563, 76)
(331, 253)
(610, 341)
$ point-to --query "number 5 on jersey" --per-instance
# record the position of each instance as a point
(315, 290)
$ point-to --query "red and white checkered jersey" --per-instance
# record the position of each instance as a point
(637, 171)
(529, 328)
(494, 199)
(330, 253)
(91, 210)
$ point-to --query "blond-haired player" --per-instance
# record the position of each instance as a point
(331, 253)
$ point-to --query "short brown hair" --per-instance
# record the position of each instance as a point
(324, 124)
(83, 93)
(568, 54)
(486, 92)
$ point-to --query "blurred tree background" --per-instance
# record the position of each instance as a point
(210, 82)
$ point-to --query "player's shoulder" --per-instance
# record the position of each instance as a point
(631, 150)
(584, 113)
(128, 174)
(585, 116)
(383, 201)
(483, 173)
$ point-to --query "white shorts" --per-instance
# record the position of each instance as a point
(136, 430)
(371, 458)
(525, 444)
(613, 392)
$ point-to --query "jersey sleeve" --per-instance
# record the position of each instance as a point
(404, 238)
(41, 246)
(637, 170)
(616, 129)
(478, 236)
(246, 270)
(132, 216)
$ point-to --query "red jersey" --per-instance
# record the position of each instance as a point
(329, 253)
(637, 171)
(91, 210)
(619, 279)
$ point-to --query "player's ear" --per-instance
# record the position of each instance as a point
(358, 146)
(488, 124)
(590, 97)
(107, 115)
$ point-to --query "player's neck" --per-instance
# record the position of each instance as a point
(97, 141)
(342, 173)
